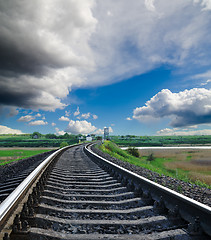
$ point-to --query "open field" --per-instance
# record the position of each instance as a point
(8, 155)
(190, 165)
(195, 162)
(147, 141)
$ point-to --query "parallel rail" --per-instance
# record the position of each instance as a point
(11, 202)
(100, 198)
(189, 209)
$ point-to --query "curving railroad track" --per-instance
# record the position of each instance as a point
(76, 194)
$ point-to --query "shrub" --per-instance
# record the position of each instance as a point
(63, 144)
(150, 157)
(133, 151)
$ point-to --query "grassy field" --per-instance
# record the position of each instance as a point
(196, 163)
(189, 166)
(11, 155)
(144, 141)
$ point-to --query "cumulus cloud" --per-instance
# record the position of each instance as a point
(26, 118)
(101, 131)
(37, 123)
(142, 35)
(77, 112)
(59, 132)
(128, 119)
(95, 116)
(47, 48)
(67, 113)
(53, 124)
(7, 130)
(80, 127)
(150, 5)
(206, 4)
(189, 107)
(85, 115)
(62, 118)
(182, 132)
(38, 115)
(43, 46)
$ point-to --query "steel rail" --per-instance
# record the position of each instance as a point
(11, 201)
(189, 209)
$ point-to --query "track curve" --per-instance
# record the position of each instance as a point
(81, 196)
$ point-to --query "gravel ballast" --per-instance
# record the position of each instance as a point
(200, 194)
(13, 169)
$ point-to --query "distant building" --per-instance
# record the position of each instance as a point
(88, 138)
(106, 133)
(35, 136)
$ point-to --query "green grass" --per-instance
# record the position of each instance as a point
(157, 165)
(18, 154)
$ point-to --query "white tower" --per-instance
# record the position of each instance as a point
(106, 133)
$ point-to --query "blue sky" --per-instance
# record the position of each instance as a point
(139, 67)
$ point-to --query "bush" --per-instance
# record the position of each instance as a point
(133, 151)
(150, 157)
(63, 144)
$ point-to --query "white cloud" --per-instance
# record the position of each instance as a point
(77, 112)
(51, 39)
(206, 4)
(133, 42)
(85, 115)
(94, 43)
(99, 131)
(58, 132)
(128, 119)
(67, 113)
(110, 130)
(204, 75)
(80, 127)
(150, 5)
(62, 118)
(38, 115)
(182, 132)
(37, 123)
(95, 116)
(53, 124)
(205, 83)
(186, 108)
(7, 130)
(26, 118)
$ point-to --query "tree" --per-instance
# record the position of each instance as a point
(50, 136)
(36, 135)
(63, 144)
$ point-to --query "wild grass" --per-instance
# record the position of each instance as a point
(160, 165)
(8, 156)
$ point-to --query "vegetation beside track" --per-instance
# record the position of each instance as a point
(149, 141)
(8, 156)
(155, 164)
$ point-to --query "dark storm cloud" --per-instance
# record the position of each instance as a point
(41, 46)
(22, 100)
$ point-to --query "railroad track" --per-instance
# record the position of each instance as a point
(12, 176)
(79, 195)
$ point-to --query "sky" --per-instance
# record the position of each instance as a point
(139, 67)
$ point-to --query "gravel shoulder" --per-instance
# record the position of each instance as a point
(200, 194)
(13, 169)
